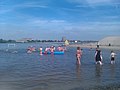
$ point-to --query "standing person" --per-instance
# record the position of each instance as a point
(98, 45)
(40, 50)
(112, 56)
(98, 57)
(52, 50)
(46, 50)
(78, 55)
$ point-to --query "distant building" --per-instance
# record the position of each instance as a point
(76, 41)
(63, 39)
(114, 40)
(23, 40)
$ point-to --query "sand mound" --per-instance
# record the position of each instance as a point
(115, 41)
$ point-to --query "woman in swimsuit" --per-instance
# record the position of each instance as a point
(78, 55)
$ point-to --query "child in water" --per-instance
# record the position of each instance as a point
(98, 57)
(78, 55)
(112, 56)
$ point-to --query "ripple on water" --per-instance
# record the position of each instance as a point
(21, 71)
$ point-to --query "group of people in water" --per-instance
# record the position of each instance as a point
(50, 49)
(98, 56)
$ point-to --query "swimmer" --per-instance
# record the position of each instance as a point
(29, 50)
(60, 48)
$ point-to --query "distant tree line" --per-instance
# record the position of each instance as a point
(30, 41)
(44, 41)
(7, 41)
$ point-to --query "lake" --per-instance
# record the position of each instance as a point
(22, 71)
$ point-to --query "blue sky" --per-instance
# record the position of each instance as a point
(53, 19)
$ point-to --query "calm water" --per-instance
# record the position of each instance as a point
(22, 71)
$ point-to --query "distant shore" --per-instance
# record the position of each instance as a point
(94, 45)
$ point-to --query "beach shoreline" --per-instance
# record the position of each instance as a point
(94, 45)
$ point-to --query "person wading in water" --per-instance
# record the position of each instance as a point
(78, 55)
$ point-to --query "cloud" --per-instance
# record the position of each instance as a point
(57, 28)
(93, 27)
(5, 7)
(44, 22)
(91, 3)
(98, 1)
(111, 18)
(73, 18)
(31, 5)
(2, 11)
(71, 9)
(91, 30)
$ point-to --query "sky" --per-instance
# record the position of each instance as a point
(54, 19)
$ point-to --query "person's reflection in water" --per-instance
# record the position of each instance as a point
(98, 72)
(78, 71)
(112, 67)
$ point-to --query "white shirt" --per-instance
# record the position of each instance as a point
(113, 54)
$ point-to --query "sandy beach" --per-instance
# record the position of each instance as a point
(94, 45)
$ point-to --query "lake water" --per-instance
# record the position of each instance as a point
(22, 71)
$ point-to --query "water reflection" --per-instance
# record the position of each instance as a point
(98, 72)
(78, 71)
(22, 71)
(112, 69)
